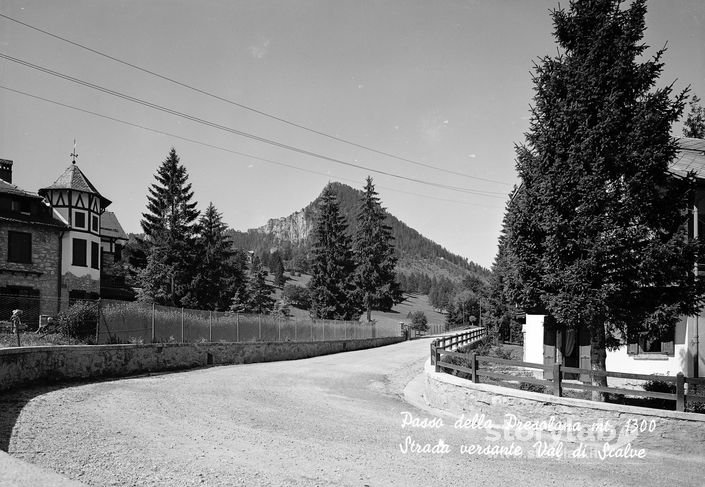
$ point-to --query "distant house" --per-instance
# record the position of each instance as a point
(682, 350)
(56, 246)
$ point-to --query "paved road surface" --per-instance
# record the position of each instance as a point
(332, 420)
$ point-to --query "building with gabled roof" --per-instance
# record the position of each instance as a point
(78, 201)
(31, 234)
(57, 246)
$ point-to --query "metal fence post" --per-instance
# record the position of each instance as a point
(324, 330)
(210, 326)
(182, 325)
(259, 321)
(97, 325)
(153, 329)
(680, 392)
(237, 327)
(279, 328)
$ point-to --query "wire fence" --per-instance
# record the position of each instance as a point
(147, 323)
(112, 321)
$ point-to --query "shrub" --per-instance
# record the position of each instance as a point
(695, 407)
(419, 321)
(526, 386)
(298, 296)
(79, 320)
(659, 386)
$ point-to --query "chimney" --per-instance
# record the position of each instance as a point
(6, 170)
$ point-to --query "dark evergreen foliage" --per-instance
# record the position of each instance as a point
(373, 249)
(259, 293)
(694, 124)
(219, 272)
(169, 229)
(598, 237)
(332, 286)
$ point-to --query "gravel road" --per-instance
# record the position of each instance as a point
(332, 420)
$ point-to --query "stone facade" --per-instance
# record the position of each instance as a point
(42, 273)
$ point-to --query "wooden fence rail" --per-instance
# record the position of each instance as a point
(439, 348)
(454, 341)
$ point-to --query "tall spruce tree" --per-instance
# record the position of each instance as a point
(169, 229)
(599, 240)
(373, 249)
(694, 124)
(332, 285)
(259, 293)
(217, 275)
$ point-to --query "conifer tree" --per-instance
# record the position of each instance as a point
(694, 124)
(373, 249)
(259, 293)
(276, 266)
(599, 239)
(217, 274)
(169, 228)
(332, 286)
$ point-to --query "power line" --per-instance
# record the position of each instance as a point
(224, 149)
(239, 132)
(245, 107)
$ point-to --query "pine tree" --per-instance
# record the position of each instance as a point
(276, 266)
(599, 239)
(169, 229)
(694, 125)
(217, 274)
(259, 293)
(238, 304)
(373, 249)
(332, 286)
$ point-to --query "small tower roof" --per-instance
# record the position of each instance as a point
(74, 179)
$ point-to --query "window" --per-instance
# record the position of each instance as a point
(94, 224)
(649, 344)
(19, 247)
(21, 206)
(79, 220)
(79, 252)
(95, 253)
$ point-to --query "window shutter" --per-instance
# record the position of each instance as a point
(667, 348)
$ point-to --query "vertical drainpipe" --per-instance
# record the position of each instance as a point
(696, 357)
(61, 257)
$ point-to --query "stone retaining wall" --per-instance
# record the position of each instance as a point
(23, 366)
(505, 407)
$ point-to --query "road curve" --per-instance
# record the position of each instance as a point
(331, 420)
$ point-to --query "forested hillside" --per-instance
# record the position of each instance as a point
(417, 254)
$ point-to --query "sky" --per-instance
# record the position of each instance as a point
(443, 86)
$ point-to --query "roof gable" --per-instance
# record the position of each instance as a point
(74, 179)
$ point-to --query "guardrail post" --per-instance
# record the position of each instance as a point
(557, 380)
(473, 366)
(433, 355)
(680, 392)
(438, 359)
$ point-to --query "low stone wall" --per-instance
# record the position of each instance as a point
(513, 410)
(23, 366)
